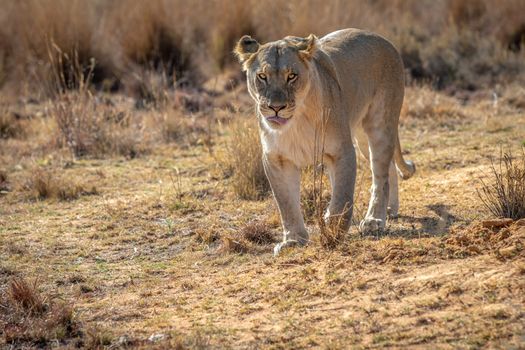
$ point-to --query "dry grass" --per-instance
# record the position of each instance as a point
(4, 183)
(30, 319)
(244, 160)
(10, 126)
(45, 183)
(193, 273)
(425, 103)
(171, 256)
(258, 232)
(468, 45)
(504, 196)
(234, 243)
(88, 128)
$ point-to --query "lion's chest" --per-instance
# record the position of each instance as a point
(297, 143)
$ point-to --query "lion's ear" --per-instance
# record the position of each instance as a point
(308, 46)
(245, 48)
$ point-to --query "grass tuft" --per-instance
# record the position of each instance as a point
(244, 159)
(10, 126)
(258, 232)
(88, 128)
(47, 184)
(505, 196)
(29, 319)
(25, 296)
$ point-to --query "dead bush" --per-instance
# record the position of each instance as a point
(504, 195)
(29, 319)
(257, 232)
(244, 159)
(49, 184)
(10, 126)
(185, 42)
(89, 128)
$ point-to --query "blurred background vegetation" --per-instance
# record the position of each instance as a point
(132, 46)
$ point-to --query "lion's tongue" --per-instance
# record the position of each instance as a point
(277, 120)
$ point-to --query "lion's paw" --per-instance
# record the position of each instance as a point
(285, 245)
(369, 225)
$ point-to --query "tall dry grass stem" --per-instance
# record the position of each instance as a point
(331, 232)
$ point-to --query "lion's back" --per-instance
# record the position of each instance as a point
(363, 56)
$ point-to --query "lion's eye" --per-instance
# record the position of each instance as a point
(292, 76)
(261, 76)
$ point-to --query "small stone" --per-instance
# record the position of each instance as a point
(156, 337)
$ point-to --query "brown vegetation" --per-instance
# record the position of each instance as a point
(243, 159)
(505, 195)
(258, 232)
(30, 319)
(45, 183)
(450, 43)
(140, 103)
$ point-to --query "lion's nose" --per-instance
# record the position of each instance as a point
(277, 108)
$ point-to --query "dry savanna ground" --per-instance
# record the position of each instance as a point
(134, 210)
(157, 249)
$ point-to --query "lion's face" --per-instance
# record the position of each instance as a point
(278, 76)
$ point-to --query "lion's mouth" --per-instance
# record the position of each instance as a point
(278, 120)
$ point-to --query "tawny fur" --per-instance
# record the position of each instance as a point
(345, 88)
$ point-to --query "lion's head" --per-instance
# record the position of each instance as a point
(278, 75)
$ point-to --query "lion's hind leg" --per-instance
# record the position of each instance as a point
(393, 192)
(381, 129)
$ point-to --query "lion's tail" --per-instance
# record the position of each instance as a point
(405, 169)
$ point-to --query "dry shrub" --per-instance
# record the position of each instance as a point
(29, 319)
(257, 232)
(424, 103)
(504, 196)
(88, 125)
(468, 60)
(46, 184)
(186, 130)
(244, 160)
(89, 128)
(10, 125)
(188, 41)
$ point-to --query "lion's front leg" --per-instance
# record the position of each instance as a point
(342, 172)
(284, 178)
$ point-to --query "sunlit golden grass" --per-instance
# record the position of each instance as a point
(468, 45)
(50, 184)
(244, 160)
(174, 256)
(132, 189)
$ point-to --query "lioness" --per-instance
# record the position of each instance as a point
(350, 85)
